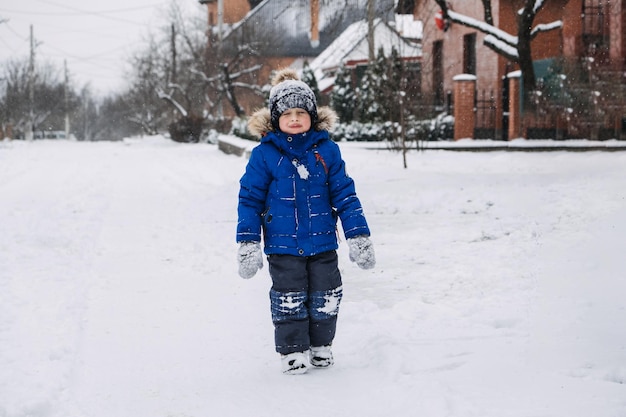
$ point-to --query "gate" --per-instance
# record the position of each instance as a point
(505, 108)
(485, 121)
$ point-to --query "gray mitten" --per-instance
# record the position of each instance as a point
(250, 259)
(362, 252)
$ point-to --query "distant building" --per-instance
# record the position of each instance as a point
(351, 48)
(299, 29)
(287, 33)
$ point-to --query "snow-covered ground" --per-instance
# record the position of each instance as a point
(499, 289)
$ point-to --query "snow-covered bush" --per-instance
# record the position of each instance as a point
(186, 129)
(365, 132)
(239, 128)
(442, 127)
(212, 136)
(439, 128)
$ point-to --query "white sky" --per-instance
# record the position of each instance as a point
(96, 38)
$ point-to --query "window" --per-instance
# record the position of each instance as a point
(405, 6)
(438, 72)
(595, 25)
(469, 54)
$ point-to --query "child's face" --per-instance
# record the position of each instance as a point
(294, 121)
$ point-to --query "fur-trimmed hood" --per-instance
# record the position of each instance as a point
(260, 123)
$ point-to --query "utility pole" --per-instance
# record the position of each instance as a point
(173, 76)
(220, 22)
(66, 97)
(30, 125)
(5, 130)
(370, 30)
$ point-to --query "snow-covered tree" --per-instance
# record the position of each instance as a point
(343, 97)
(383, 96)
(378, 92)
(394, 86)
(309, 78)
(367, 97)
(145, 108)
(517, 47)
(373, 93)
(377, 95)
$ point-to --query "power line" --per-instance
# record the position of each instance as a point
(117, 19)
(150, 6)
(69, 29)
(24, 38)
(77, 11)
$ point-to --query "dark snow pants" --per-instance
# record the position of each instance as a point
(305, 297)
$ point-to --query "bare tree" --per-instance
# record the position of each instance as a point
(149, 73)
(49, 104)
(183, 82)
(227, 79)
(163, 90)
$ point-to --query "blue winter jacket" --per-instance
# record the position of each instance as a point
(294, 189)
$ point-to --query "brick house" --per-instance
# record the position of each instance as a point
(591, 28)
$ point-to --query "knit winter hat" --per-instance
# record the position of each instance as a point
(289, 92)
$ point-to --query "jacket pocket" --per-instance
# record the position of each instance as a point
(266, 216)
(264, 221)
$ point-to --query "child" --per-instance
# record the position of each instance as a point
(294, 189)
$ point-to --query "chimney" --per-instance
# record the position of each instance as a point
(314, 36)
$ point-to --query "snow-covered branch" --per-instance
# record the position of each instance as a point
(246, 71)
(538, 4)
(145, 125)
(483, 27)
(40, 118)
(167, 97)
(502, 48)
(498, 40)
(204, 77)
(176, 87)
(545, 27)
(252, 87)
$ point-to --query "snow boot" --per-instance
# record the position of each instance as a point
(321, 356)
(295, 363)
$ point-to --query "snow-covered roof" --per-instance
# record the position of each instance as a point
(408, 27)
(286, 25)
(352, 46)
(342, 47)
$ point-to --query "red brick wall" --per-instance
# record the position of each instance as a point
(464, 115)
(490, 67)
(618, 32)
(515, 117)
(486, 59)
(571, 33)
